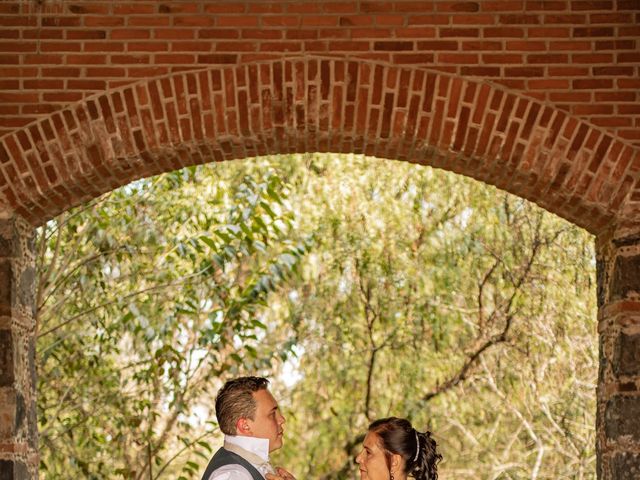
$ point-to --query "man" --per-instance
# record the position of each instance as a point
(249, 417)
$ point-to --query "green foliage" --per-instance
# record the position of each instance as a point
(149, 297)
(423, 294)
(433, 297)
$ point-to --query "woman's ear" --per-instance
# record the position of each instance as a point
(396, 463)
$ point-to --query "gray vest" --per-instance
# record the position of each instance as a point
(225, 457)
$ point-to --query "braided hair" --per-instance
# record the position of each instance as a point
(418, 449)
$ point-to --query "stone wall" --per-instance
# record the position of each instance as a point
(18, 427)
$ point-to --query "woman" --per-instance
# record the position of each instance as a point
(393, 450)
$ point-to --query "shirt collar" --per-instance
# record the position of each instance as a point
(259, 446)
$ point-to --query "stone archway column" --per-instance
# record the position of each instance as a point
(18, 426)
(618, 414)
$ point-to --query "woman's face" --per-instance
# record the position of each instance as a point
(371, 459)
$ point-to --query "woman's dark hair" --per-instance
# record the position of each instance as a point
(397, 436)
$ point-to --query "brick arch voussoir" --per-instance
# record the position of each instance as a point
(318, 104)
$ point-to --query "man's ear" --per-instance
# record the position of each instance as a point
(243, 427)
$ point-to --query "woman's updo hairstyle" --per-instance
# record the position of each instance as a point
(418, 450)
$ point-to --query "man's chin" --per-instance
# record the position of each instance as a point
(276, 444)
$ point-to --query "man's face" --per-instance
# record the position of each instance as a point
(269, 422)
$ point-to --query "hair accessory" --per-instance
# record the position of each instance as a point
(417, 446)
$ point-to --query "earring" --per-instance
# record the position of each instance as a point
(391, 476)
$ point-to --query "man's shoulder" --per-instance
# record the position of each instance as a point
(232, 471)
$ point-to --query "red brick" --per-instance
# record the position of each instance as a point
(591, 58)
(545, 5)
(349, 46)
(502, 6)
(593, 32)
(615, 45)
(628, 57)
(502, 58)
(479, 45)
(459, 32)
(389, 20)
(519, 19)
(103, 21)
(320, 21)
(548, 58)
(503, 32)
(413, 32)
(592, 5)
(569, 45)
(548, 32)
(473, 20)
(524, 71)
(458, 58)
(480, 71)
(614, 71)
(130, 59)
(261, 34)
(413, 58)
(376, 7)
(280, 47)
(569, 19)
(133, 9)
(457, 6)
(359, 33)
(525, 46)
(592, 84)
(281, 21)
(549, 84)
(147, 47)
(218, 33)
(129, 34)
(225, 7)
(611, 18)
(13, 46)
(198, 21)
(174, 33)
(394, 46)
(149, 21)
(103, 47)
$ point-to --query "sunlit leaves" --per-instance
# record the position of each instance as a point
(151, 295)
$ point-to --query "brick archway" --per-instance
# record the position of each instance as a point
(517, 143)
(317, 104)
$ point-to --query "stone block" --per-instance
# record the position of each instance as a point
(7, 364)
(626, 356)
(7, 238)
(26, 289)
(601, 273)
(622, 418)
(6, 285)
(21, 412)
(625, 466)
(7, 414)
(32, 425)
(14, 470)
(625, 278)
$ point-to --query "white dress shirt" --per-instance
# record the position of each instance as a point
(256, 446)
